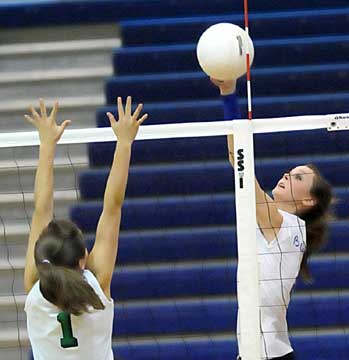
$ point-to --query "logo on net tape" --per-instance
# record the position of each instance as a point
(241, 167)
(341, 117)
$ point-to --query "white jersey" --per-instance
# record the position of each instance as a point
(279, 264)
(92, 331)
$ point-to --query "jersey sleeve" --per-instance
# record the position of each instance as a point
(231, 107)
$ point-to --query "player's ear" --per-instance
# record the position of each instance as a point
(308, 202)
(83, 261)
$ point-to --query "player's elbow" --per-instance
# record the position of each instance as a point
(110, 211)
(113, 205)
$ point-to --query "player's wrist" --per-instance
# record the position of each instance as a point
(228, 90)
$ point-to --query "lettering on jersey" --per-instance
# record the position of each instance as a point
(299, 243)
(296, 241)
(68, 339)
(241, 167)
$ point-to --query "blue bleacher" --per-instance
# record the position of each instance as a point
(176, 211)
(147, 281)
(208, 110)
(186, 179)
(175, 279)
(209, 347)
(263, 25)
(194, 244)
(269, 53)
(302, 79)
(220, 314)
(49, 12)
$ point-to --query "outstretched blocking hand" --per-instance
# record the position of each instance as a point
(127, 126)
(49, 134)
(49, 131)
(226, 87)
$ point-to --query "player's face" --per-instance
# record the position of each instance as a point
(295, 185)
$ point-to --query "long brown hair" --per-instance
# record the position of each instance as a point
(316, 219)
(58, 251)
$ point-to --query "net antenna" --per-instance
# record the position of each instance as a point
(248, 65)
(243, 130)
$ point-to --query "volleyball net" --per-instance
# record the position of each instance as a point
(175, 279)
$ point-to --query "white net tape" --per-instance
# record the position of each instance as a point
(214, 128)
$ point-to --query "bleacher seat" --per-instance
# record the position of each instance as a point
(195, 244)
(211, 348)
(263, 25)
(303, 79)
(181, 58)
(50, 12)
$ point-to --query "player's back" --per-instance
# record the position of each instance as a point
(56, 335)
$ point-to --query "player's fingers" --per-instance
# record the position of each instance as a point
(137, 111)
(128, 106)
(65, 123)
(111, 119)
(62, 127)
(54, 110)
(43, 108)
(29, 119)
(34, 113)
(121, 113)
(142, 119)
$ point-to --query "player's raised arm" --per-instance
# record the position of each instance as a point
(102, 258)
(268, 216)
(49, 134)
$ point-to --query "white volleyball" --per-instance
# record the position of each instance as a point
(222, 49)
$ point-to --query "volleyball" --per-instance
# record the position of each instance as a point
(221, 51)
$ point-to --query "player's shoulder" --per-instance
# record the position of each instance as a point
(33, 297)
(92, 280)
(289, 218)
(294, 229)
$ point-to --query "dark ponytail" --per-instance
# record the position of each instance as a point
(58, 251)
(316, 220)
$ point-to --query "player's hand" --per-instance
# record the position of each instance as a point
(49, 131)
(127, 126)
(226, 87)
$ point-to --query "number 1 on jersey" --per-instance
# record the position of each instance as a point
(68, 339)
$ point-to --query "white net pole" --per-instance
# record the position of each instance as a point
(248, 272)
